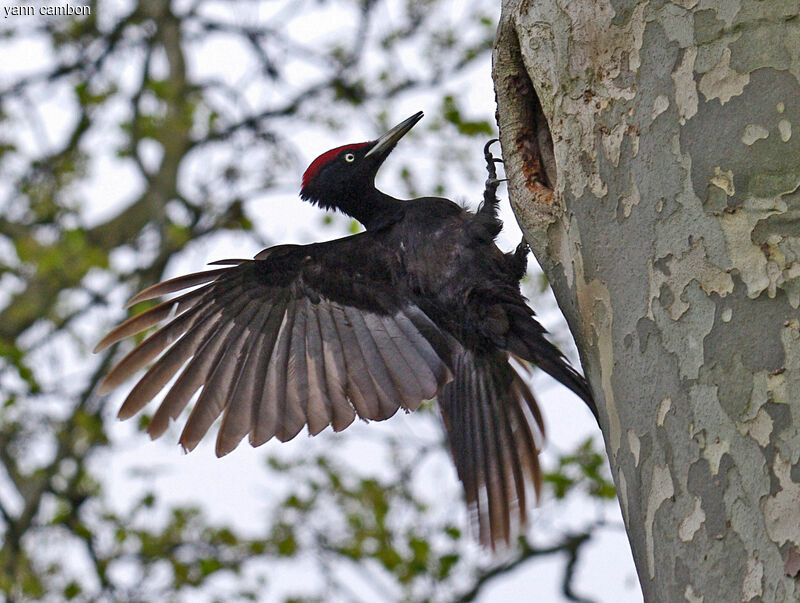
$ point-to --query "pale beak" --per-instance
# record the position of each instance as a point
(386, 142)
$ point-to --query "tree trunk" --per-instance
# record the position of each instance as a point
(672, 241)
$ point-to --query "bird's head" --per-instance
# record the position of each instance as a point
(346, 174)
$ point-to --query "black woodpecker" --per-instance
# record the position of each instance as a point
(421, 305)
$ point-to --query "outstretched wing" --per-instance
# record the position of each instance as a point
(303, 334)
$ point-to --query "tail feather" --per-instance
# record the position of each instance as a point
(493, 441)
(526, 339)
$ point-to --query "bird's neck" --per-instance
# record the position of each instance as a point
(373, 209)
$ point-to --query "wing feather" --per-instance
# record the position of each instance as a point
(147, 351)
(176, 284)
(442, 344)
(216, 385)
(185, 331)
(409, 391)
(360, 387)
(513, 449)
(318, 410)
(159, 374)
(191, 378)
(292, 413)
(151, 317)
(417, 365)
(266, 344)
(492, 471)
(237, 417)
(213, 327)
(273, 393)
(476, 448)
(343, 412)
(388, 396)
(436, 365)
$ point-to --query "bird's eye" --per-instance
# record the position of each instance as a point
(349, 158)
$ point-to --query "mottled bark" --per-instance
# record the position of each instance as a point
(672, 241)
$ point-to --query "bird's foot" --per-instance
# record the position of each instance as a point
(491, 160)
(490, 200)
(521, 258)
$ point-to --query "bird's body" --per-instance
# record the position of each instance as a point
(422, 304)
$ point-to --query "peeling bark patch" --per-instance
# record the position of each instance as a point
(711, 490)
(723, 179)
(660, 105)
(691, 596)
(780, 510)
(612, 143)
(622, 486)
(663, 408)
(694, 265)
(635, 446)
(661, 489)
(792, 565)
(684, 337)
(595, 301)
(759, 175)
(758, 428)
(785, 129)
(685, 87)
(692, 522)
(759, 397)
(602, 325)
(714, 451)
(737, 228)
(706, 398)
(722, 82)
(630, 200)
(754, 132)
(751, 584)
(749, 258)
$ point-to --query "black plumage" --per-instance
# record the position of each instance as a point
(421, 305)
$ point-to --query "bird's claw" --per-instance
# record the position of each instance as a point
(492, 182)
(491, 160)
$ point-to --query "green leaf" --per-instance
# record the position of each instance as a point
(72, 590)
(452, 114)
(209, 565)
